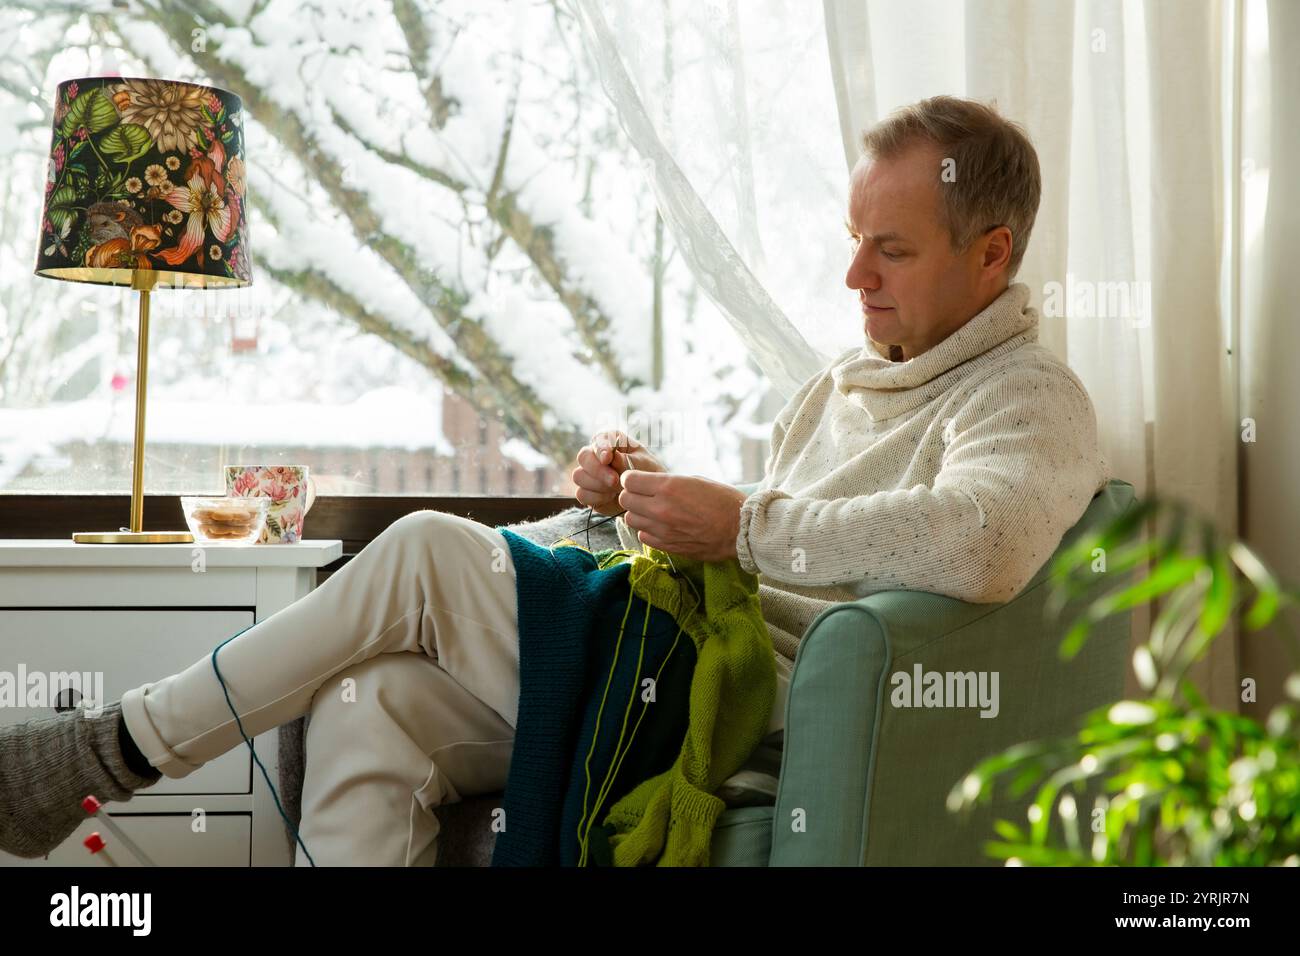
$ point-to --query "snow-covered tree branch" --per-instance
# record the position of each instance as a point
(447, 188)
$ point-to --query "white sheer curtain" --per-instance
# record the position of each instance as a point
(730, 107)
(748, 115)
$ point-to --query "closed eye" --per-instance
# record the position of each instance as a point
(856, 239)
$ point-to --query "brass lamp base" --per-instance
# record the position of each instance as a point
(132, 537)
(143, 282)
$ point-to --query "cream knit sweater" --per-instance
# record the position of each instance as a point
(956, 472)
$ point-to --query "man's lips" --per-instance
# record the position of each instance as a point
(876, 308)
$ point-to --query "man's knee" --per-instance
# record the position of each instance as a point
(428, 525)
(420, 522)
(438, 534)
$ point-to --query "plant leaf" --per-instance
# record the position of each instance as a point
(61, 208)
(1120, 529)
(1218, 603)
(1168, 574)
(1009, 831)
(128, 142)
(93, 110)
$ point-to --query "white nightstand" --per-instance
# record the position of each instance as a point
(137, 613)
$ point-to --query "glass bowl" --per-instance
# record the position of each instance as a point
(226, 519)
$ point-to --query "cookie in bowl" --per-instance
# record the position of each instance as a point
(225, 519)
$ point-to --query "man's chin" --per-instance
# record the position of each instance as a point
(881, 348)
(880, 327)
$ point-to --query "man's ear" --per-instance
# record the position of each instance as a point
(997, 250)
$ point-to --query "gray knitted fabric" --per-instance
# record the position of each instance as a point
(48, 766)
(569, 522)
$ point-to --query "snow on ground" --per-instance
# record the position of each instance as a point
(393, 417)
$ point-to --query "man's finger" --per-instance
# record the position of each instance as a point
(644, 524)
(605, 444)
(585, 479)
(646, 537)
(589, 459)
(639, 503)
(644, 482)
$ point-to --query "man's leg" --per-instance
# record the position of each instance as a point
(393, 737)
(430, 583)
(388, 740)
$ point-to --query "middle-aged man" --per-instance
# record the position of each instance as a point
(949, 454)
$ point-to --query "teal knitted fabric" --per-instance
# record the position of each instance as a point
(581, 690)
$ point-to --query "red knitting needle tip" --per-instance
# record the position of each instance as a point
(96, 845)
(93, 807)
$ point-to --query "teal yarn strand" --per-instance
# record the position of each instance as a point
(589, 524)
(274, 795)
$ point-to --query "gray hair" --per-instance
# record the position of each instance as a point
(996, 181)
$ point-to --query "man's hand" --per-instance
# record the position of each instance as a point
(600, 464)
(691, 516)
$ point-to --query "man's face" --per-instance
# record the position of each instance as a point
(915, 290)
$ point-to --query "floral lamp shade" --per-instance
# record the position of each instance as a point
(145, 174)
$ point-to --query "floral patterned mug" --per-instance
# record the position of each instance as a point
(292, 492)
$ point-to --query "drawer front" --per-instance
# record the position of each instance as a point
(167, 839)
(145, 587)
(129, 648)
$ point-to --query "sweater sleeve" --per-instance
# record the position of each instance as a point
(1020, 466)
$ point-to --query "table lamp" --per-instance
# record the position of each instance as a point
(145, 187)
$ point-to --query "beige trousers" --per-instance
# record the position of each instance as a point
(407, 660)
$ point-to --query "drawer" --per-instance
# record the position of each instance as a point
(129, 648)
(168, 839)
(143, 587)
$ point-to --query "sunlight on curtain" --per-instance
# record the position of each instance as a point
(732, 110)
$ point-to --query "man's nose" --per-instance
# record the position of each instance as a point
(861, 275)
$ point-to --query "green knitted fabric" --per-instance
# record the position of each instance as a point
(669, 819)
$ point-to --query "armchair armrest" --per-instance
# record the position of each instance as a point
(864, 779)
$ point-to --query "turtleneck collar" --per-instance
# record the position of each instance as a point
(886, 389)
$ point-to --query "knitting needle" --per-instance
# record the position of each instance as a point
(95, 844)
(623, 448)
(589, 525)
(92, 806)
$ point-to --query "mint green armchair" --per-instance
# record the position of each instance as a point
(865, 783)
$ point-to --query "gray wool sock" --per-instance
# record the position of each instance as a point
(48, 766)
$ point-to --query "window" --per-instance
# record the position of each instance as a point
(455, 262)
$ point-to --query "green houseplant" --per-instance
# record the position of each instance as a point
(1167, 779)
